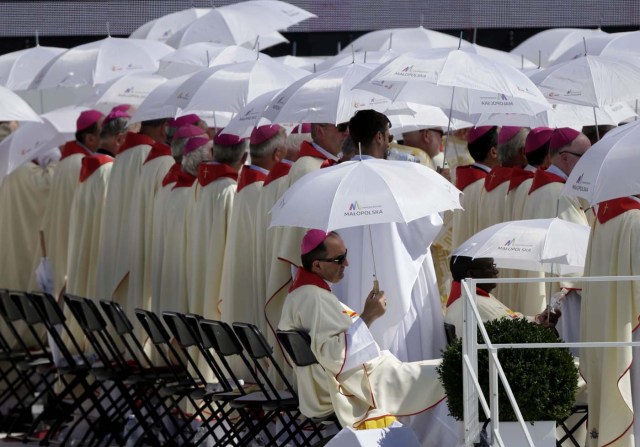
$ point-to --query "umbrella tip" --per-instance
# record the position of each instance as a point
(460, 39)
(108, 30)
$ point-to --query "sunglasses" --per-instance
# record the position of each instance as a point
(338, 259)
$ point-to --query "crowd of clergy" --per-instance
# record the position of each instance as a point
(171, 214)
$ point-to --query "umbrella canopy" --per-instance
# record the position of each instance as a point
(593, 81)
(240, 22)
(542, 245)
(156, 105)
(546, 46)
(325, 97)
(303, 62)
(402, 40)
(457, 80)
(228, 88)
(14, 108)
(363, 192)
(407, 117)
(597, 175)
(18, 69)
(130, 89)
(33, 139)
(99, 62)
(250, 116)
(193, 58)
(592, 45)
(360, 57)
(166, 26)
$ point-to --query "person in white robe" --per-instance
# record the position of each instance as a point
(23, 196)
(55, 223)
(366, 387)
(176, 215)
(322, 151)
(482, 145)
(412, 328)
(214, 197)
(116, 229)
(545, 201)
(489, 306)
(239, 285)
(610, 313)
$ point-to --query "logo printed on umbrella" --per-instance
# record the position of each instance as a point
(578, 186)
(511, 245)
(184, 95)
(411, 72)
(573, 93)
(355, 209)
(500, 100)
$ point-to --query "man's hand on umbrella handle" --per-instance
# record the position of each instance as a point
(549, 317)
(374, 307)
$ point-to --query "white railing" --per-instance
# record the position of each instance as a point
(471, 386)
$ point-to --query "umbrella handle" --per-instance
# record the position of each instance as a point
(376, 286)
(42, 246)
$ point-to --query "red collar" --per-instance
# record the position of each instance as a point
(280, 169)
(91, 163)
(249, 176)
(208, 172)
(542, 178)
(466, 175)
(307, 278)
(307, 150)
(135, 139)
(71, 148)
(519, 175)
(456, 292)
(185, 180)
(497, 177)
(172, 174)
(158, 150)
(612, 208)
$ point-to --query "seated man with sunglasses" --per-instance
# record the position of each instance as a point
(489, 307)
(366, 387)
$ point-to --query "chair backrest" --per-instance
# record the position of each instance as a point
(116, 317)
(180, 329)
(298, 346)
(49, 307)
(450, 331)
(31, 314)
(252, 340)
(153, 327)
(12, 311)
(219, 336)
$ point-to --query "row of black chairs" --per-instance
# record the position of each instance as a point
(118, 380)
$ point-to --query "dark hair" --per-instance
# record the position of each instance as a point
(320, 252)
(459, 266)
(365, 124)
(590, 132)
(479, 149)
(536, 158)
(91, 130)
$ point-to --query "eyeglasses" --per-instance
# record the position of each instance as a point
(572, 153)
(338, 259)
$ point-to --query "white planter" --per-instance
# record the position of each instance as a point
(543, 434)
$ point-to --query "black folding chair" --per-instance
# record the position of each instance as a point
(569, 430)
(286, 400)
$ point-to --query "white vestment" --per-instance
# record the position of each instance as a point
(610, 313)
(353, 377)
(116, 229)
(469, 180)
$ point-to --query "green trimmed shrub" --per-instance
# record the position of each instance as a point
(544, 381)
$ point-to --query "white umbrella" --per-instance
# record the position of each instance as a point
(166, 26)
(360, 57)
(302, 62)
(562, 115)
(403, 40)
(542, 245)
(623, 44)
(457, 80)
(609, 169)
(14, 108)
(592, 45)
(546, 46)
(325, 97)
(18, 69)
(240, 22)
(593, 81)
(250, 116)
(363, 192)
(33, 139)
(228, 88)
(99, 62)
(407, 117)
(156, 105)
(193, 58)
(129, 89)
